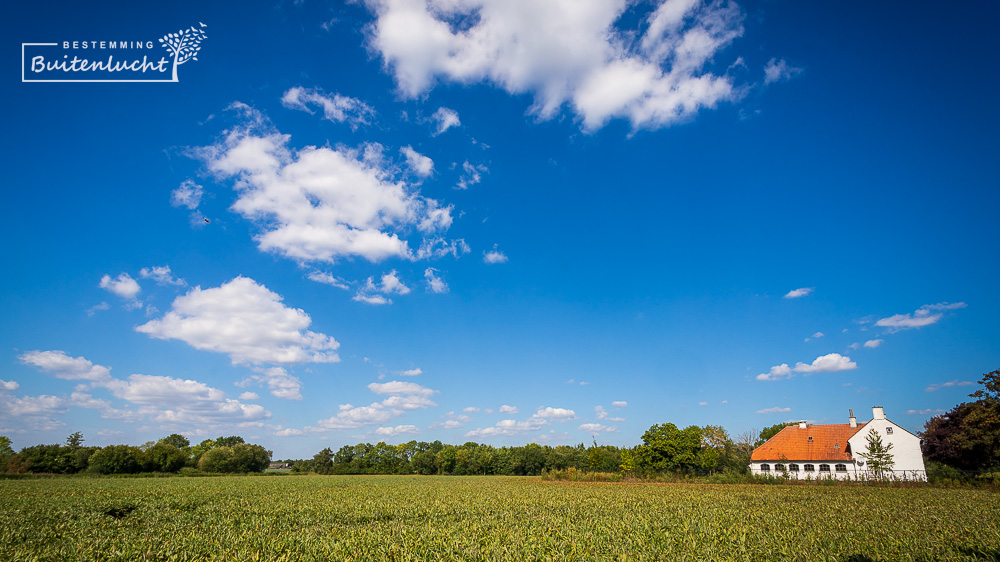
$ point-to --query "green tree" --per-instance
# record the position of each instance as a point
(228, 441)
(164, 457)
(48, 459)
(117, 459)
(177, 440)
(967, 437)
(5, 447)
(878, 455)
(323, 461)
(668, 449)
(238, 458)
(75, 440)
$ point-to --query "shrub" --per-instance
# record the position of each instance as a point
(117, 459)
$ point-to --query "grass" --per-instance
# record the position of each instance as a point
(485, 518)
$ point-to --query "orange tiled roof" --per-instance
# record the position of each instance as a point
(829, 443)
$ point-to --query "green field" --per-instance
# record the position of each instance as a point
(474, 518)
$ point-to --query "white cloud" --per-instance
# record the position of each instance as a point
(773, 410)
(389, 284)
(471, 175)
(872, 344)
(350, 417)
(434, 283)
(418, 163)
(949, 384)
(779, 71)
(336, 108)
(123, 286)
(542, 417)
(327, 279)
(798, 293)
(446, 119)
(320, 204)
(570, 52)
(62, 366)
(245, 320)
(289, 432)
(923, 316)
(598, 428)
(925, 412)
(505, 409)
(279, 382)
(703, 403)
(398, 430)
(602, 414)
(400, 387)
(9, 386)
(619, 403)
(188, 194)
(104, 407)
(94, 309)
(411, 372)
(182, 401)
(829, 363)
(494, 256)
(249, 396)
(161, 275)
(470, 409)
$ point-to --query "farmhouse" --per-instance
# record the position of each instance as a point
(837, 450)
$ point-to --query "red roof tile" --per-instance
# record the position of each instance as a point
(829, 443)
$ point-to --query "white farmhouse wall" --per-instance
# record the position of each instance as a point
(906, 455)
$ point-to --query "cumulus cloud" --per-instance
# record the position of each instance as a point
(779, 71)
(830, 363)
(949, 384)
(188, 194)
(328, 279)
(567, 53)
(278, 381)
(542, 417)
(246, 321)
(320, 204)
(923, 316)
(418, 163)
(619, 404)
(182, 401)
(505, 409)
(389, 284)
(471, 175)
(494, 256)
(9, 386)
(445, 119)
(872, 344)
(598, 428)
(161, 275)
(602, 414)
(800, 292)
(411, 372)
(123, 286)
(403, 397)
(336, 108)
(60, 365)
(773, 410)
(350, 417)
(398, 430)
(400, 387)
(434, 283)
(925, 412)
(32, 412)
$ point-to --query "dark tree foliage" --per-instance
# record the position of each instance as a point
(228, 441)
(323, 462)
(240, 457)
(668, 449)
(117, 459)
(164, 457)
(967, 437)
(50, 459)
(177, 440)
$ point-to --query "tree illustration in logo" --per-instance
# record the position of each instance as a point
(184, 45)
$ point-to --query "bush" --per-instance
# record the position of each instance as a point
(164, 458)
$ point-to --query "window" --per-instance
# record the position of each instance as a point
(888, 430)
(841, 468)
(779, 467)
(793, 467)
(811, 468)
(824, 468)
(765, 468)
(810, 439)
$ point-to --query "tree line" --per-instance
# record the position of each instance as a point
(170, 454)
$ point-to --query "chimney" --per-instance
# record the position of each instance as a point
(852, 419)
(802, 425)
(878, 413)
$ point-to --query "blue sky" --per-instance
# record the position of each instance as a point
(498, 221)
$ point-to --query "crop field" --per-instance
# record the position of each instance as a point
(485, 518)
